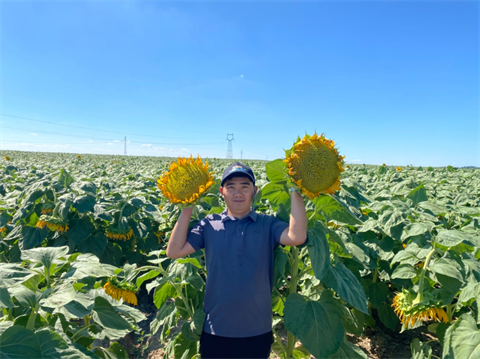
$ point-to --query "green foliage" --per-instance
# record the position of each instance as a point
(365, 243)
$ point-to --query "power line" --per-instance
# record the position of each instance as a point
(96, 129)
(109, 139)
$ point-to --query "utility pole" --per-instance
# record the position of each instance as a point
(229, 146)
(125, 147)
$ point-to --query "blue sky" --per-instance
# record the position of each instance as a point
(393, 82)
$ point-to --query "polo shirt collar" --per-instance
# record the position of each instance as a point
(226, 217)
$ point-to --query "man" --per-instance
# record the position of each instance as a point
(239, 245)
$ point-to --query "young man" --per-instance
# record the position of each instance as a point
(239, 245)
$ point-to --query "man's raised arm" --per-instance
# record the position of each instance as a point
(296, 233)
(177, 244)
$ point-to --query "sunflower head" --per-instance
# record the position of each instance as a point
(411, 313)
(186, 180)
(52, 223)
(6, 158)
(121, 290)
(48, 207)
(115, 233)
(314, 165)
(79, 157)
(399, 169)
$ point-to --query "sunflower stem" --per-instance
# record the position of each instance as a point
(419, 298)
(292, 288)
(31, 320)
(195, 213)
(120, 215)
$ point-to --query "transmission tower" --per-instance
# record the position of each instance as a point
(229, 146)
(241, 154)
(125, 147)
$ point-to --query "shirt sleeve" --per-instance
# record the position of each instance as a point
(278, 226)
(195, 236)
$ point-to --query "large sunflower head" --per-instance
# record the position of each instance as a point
(186, 180)
(52, 223)
(114, 232)
(410, 313)
(121, 290)
(314, 165)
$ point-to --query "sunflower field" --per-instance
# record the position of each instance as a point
(80, 235)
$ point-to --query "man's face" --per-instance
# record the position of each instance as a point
(238, 194)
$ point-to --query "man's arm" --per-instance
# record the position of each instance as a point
(177, 244)
(296, 233)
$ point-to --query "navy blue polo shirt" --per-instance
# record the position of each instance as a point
(239, 260)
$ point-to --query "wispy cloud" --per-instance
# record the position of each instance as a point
(33, 134)
(109, 143)
(115, 141)
(146, 145)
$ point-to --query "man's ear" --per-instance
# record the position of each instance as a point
(221, 191)
(255, 190)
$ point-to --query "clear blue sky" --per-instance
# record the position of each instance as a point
(393, 82)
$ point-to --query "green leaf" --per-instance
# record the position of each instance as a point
(79, 229)
(281, 259)
(348, 350)
(387, 316)
(18, 342)
(193, 261)
(52, 344)
(447, 267)
(275, 194)
(164, 314)
(195, 281)
(344, 282)
(333, 210)
(32, 237)
(450, 238)
(319, 250)
(25, 296)
(418, 195)
(353, 320)
(185, 349)
(318, 324)
(95, 244)
(80, 306)
(65, 179)
(4, 218)
(161, 295)
(149, 275)
(420, 350)
(416, 229)
(45, 255)
(404, 271)
(377, 293)
(84, 204)
(462, 339)
(275, 170)
(114, 325)
(197, 322)
(32, 196)
(61, 295)
(5, 299)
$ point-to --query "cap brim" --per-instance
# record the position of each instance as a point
(238, 174)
